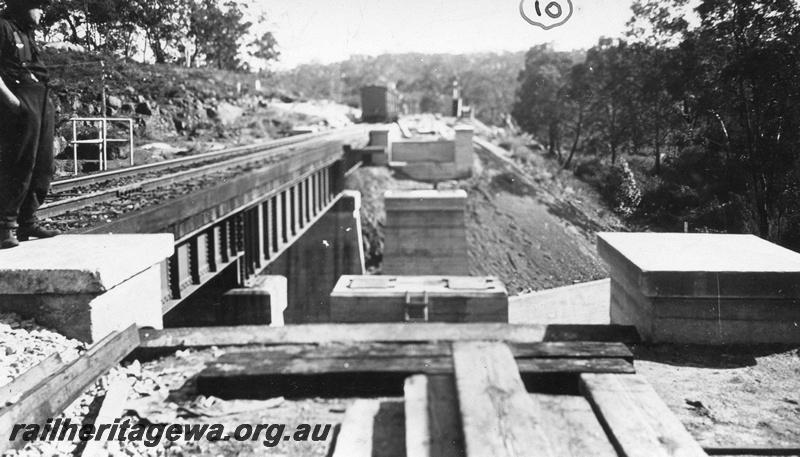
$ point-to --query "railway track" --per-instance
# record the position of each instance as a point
(120, 191)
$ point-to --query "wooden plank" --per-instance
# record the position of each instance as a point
(498, 416)
(111, 409)
(577, 349)
(638, 422)
(392, 332)
(10, 392)
(55, 393)
(257, 363)
(445, 421)
(418, 429)
(259, 373)
(619, 366)
(355, 435)
(570, 421)
(433, 425)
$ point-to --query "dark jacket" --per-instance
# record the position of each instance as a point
(19, 56)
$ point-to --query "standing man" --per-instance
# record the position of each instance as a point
(26, 125)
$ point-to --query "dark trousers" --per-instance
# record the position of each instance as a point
(26, 155)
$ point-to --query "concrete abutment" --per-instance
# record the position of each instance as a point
(86, 286)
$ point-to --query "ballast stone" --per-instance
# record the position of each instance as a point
(86, 286)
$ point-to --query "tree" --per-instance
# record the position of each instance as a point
(264, 47)
(106, 25)
(541, 103)
(748, 84)
(611, 81)
(489, 82)
(163, 23)
(217, 33)
(580, 94)
(656, 28)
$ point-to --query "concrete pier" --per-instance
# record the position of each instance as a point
(425, 233)
(380, 137)
(86, 286)
(703, 288)
(419, 299)
(263, 303)
(329, 249)
(434, 160)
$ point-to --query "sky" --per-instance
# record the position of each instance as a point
(328, 31)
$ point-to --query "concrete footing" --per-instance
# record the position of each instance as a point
(703, 288)
(374, 155)
(262, 303)
(424, 159)
(419, 299)
(434, 160)
(425, 233)
(86, 286)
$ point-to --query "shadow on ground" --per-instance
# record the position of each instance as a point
(720, 357)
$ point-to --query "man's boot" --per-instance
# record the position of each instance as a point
(26, 231)
(7, 239)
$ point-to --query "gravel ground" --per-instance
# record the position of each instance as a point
(23, 344)
(163, 392)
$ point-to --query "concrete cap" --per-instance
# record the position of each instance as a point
(702, 265)
(433, 285)
(702, 252)
(416, 200)
(76, 264)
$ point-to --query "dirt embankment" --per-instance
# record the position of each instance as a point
(533, 230)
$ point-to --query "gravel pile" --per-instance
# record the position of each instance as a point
(23, 344)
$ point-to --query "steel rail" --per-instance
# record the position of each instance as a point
(247, 155)
(63, 185)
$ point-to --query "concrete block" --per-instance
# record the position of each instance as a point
(437, 151)
(425, 200)
(379, 137)
(261, 304)
(428, 242)
(278, 289)
(375, 155)
(417, 264)
(708, 265)
(463, 148)
(79, 263)
(705, 289)
(419, 219)
(425, 232)
(437, 298)
(86, 286)
(432, 171)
